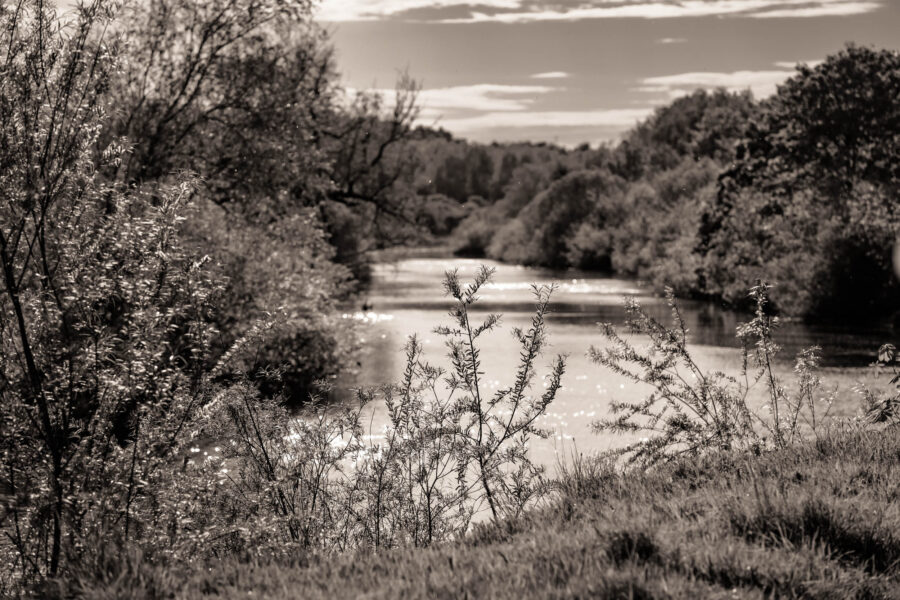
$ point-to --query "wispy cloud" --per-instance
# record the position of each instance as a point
(505, 112)
(523, 11)
(787, 64)
(834, 9)
(761, 83)
(551, 75)
(616, 118)
(660, 9)
(365, 10)
(669, 40)
(480, 97)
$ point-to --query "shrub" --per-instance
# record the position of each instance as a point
(539, 233)
(284, 271)
(690, 410)
(317, 480)
(885, 407)
(590, 248)
(474, 234)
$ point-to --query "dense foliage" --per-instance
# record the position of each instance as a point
(714, 192)
(170, 173)
(811, 200)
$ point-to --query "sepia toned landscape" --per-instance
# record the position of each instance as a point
(408, 299)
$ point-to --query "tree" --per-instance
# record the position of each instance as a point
(451, 178)
(190, 69)
(701, 125)
(541, 231)
(828, 129)
(819, 169)
(371, 168)
(103, 311)
(246, 95)
(508, 165)
(479, 172)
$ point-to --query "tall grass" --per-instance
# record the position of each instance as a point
(690, 410)
(817, 519)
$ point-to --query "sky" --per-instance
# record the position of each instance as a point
(574, 71)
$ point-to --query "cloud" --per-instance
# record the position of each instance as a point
(660, 9)
(366, 10)
(618, 118)
(668, 40)
(523, 11)
(787, 64)
(487, 111)
(551, 75)
(836, 9)
(480, 97)
(761, 83)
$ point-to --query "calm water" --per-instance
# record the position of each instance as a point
(407, 298)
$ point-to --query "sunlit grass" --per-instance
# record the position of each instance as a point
(816, 520)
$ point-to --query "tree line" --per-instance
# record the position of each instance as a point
(712, 193)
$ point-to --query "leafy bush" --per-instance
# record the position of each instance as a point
(539, 232)
(104, 313)
(474, 234)
(590, 247)
(691, 411)
(284, 271)
(318, 480)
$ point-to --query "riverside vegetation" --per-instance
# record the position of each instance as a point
(723, 499)
(186, 195)
(710, 194)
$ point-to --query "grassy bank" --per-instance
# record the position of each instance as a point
(817, 520)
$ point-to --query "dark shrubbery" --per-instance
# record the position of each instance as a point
(541, 230)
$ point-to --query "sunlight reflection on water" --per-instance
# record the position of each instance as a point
(407, 297)
(367, 317)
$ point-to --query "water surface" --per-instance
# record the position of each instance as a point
(407, 297)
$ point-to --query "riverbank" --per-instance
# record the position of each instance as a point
(818, 520)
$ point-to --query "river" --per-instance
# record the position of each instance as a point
(406, 297)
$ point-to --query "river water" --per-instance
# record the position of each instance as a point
(406, 297)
